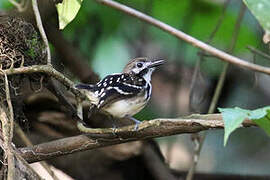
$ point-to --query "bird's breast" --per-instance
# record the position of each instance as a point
(126, 107)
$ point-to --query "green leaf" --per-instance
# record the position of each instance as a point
(262, 119)
(67, 11)
(264, 123)
(233, 117)
(260, 9)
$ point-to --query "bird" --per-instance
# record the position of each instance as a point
(122, 95)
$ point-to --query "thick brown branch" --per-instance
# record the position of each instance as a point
(179, 34)
(147, 130)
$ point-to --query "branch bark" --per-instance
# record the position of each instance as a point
(189, 39)
(106, 137)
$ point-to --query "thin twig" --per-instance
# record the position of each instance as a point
(202, 54)
(220, 20)
(102, 137)
(16, 4)
(256, 51)
(22, 135)
(20, 6)
(199, 143)
(230, 50)
(179, 34)
(10, 108)
(41, 30)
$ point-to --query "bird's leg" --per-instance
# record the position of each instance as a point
(113, 124)
(137, 122)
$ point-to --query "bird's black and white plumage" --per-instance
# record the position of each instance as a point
(124, 94)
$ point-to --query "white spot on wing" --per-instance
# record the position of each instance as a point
(120, 91)
(131, 85)
(102, 101)
(101, 91)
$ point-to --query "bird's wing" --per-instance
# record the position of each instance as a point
(116, 87)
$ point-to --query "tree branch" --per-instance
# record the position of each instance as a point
(41, 30)
(7, 123)
(189, 39)
(106, 137)
(256, 51)
(49, 70)
(22, 6)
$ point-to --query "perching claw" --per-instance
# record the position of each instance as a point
(137, 122)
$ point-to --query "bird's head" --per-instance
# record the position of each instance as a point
(142, 67)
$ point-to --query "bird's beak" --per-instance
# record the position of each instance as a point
(156, 63)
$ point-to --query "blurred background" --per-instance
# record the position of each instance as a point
(106, 39)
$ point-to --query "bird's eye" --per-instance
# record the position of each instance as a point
(139, 65)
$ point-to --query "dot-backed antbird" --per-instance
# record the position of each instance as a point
(124, 94)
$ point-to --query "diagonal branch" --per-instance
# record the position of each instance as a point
(47, 69)
(41, 30)
(106, 137)
(189, 39)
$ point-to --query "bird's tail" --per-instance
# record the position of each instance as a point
(88, 90)
(84, 86)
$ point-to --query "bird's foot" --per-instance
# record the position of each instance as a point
(114, 127)
(137, 122)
